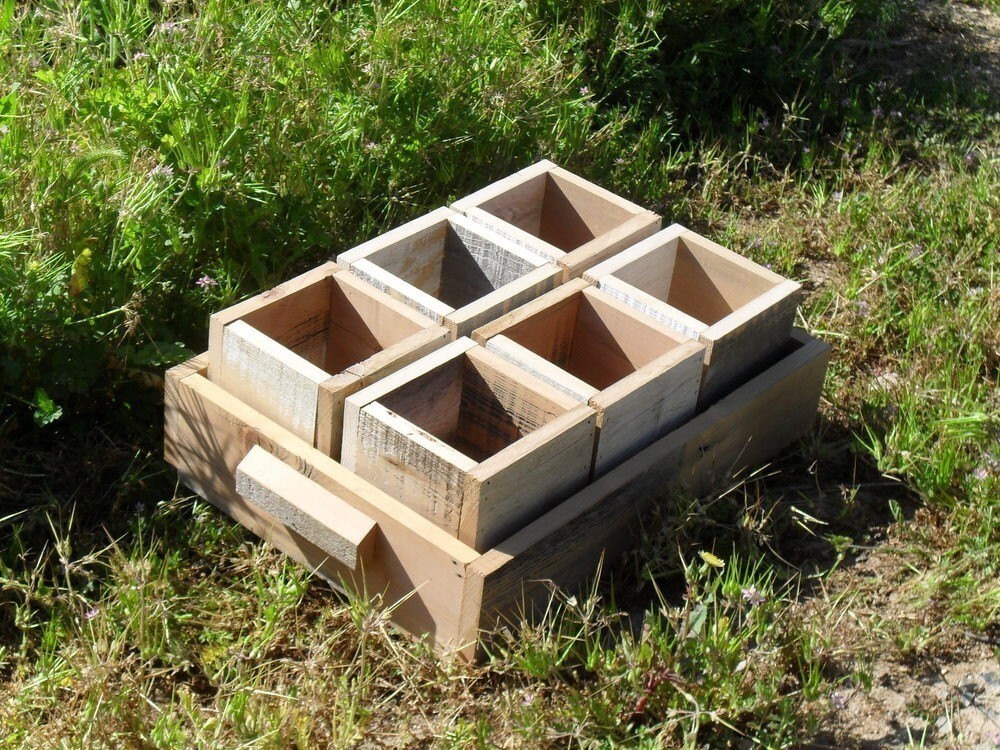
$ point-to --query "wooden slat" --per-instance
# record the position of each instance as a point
(660, 247)
(290, 310)
(644, 406)
(419, 568)
(468, 318)
(410, 250)
(742, 343)
(607, 245)
(336, 527)
(270, 378)
(516, 199)
(750, 425)
(435, 399)
(541, 368)
(403, 291)
(528, 477)
(526, 240)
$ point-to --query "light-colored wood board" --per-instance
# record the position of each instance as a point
(465, 320)
(541, 368)
(364, 321)
(613, 340)
(394, 357)
(644, 406)
(401, 290)
(410, 249)
(516, 199)
(440, 392)
(577, 262)
(709, 285)
(563, 546)
(285, 291)
(330, 411)
(652, 307)
(549, 303)
(740, 345)
(270, 378)
(602, 197)
(526, 240)
(522, 481)
(657, 245)
(411, 465)
(530, 401)
(337, 528)
(419, 568)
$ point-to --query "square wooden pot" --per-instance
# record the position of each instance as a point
(742, 312)
(470, 442)
(453, 270)
(641, 378)
(295, 352)
(560, 216)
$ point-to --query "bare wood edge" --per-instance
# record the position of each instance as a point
(405, 352)
(541, 368)
(653, 308)
(490, 234)
(574, 426)
(732, 256)
(519, 375)
(688, 353)
(786, 292)
(408, 431)
(608, 245)
(326, 520)
(398, 307)
(330, 411)
(595, 273)
(424, 223)
(400, 290)
(598, 191)
(615, 303)
(491, 191)
(532, 244)
(219, 320)
(663, 460)
(466, 319)
(561, 293)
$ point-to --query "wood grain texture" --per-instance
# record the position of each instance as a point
(387, 282)
(742, 343)
(334, 526)
(522, 481)
(645, 405)
(541, 368)
(419, 568)
(465, 320)
(564, 546)
(270, 378)
(295, 310)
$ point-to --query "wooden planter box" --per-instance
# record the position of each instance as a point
(356, 536)
(742, 313)
(559, 216)
(453, 270)
(469, 442)
(295, 352)
(641, 378)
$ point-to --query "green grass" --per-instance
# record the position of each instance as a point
(158, 162)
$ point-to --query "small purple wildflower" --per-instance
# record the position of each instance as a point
(806, 149)
(972, 158)
(981, 473)
(162, 170)
(584, 91)
(90, 614)
(206, 281)
(752, 596)
(765, 123)
(366, 68)
(878, 112)
(619, 161)
(168, 28)
(839, 701)
(139, 56)
(862, 308)
(370, 146)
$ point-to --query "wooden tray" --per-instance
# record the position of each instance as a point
(354, 535)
